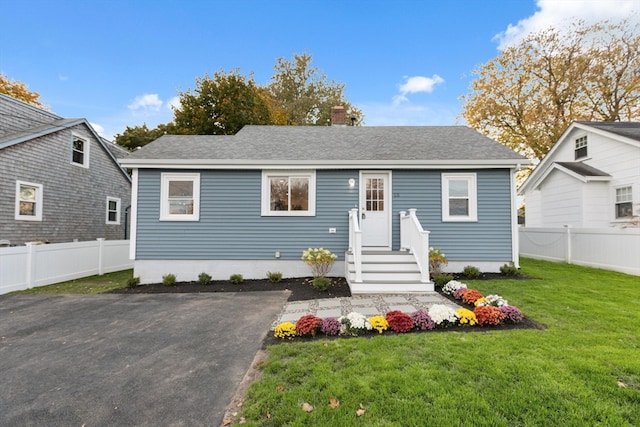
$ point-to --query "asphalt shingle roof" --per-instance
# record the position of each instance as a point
(331, 143)
(628, 129)
(583, 169)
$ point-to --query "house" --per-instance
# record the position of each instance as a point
(377, 197)
(590, 178)
(59, 180)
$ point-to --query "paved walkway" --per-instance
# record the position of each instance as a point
(369, 305)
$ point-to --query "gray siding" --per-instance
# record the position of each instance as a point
(489, 239)
(231, 227)
(74, 198)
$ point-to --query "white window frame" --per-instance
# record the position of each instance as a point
(166, 178)
(266, 192)
(85, 150)
(616, 202)
(472, 192)
(38, 212)
(117, 221)
(580, 143)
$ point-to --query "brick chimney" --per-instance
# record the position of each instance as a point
(338, 116)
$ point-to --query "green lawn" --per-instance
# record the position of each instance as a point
(583, 370)
(86, 285)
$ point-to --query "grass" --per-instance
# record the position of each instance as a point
(584, 369)
(86, 285)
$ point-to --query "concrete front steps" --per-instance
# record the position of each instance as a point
(386, 272)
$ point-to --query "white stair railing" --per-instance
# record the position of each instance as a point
(416, 240)
(355, 243)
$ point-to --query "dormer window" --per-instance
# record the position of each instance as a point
(581, 147)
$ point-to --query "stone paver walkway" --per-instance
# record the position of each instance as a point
(369, 305)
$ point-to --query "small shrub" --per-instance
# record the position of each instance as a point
(436, 260)
(285, 330)
(321, 283)
(308, 325)
(236, 279)
(320, 260)
(169, 279)
(133, 282)
(399, 322)
(331, 326)
(441, 279)
(488, 315)
(204, 279)
(508, 270)
(274, 277)
(471, 272)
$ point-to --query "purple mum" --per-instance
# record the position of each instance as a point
(331, 326)
(513, 314)
(422, 321)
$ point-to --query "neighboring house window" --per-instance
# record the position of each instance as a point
(28, 201)
(80, 151)
(113, 210)
(624, 202)
(459, 198)
(581, 147)
(289, 193)
(180, 197)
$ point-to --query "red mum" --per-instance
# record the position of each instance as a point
(488, 315)
(308, 325)
(399, 322)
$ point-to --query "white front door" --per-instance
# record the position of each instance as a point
(375, 210)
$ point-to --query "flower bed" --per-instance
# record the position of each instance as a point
(479, 312)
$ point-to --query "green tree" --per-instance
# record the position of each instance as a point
(221, 105)
(139, 136)
(528, 95)
(303, 95)
(18, 90)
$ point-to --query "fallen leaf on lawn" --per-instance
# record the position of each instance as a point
(333, 402)
(268, 414)
(226, 422)
(306, 407)
(280, 387)
(326, 344)
(240, 404)
(242, 421)
(360, 412)
(621, 384)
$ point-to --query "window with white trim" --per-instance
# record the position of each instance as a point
(113, 210)
(581, 147)
(28, 201)
(624, 202)
(79, 151)
(459, 197)
(288, 193)
(180, 197)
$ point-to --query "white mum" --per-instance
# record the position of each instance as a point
(452, 286)
(494, 300)
(355, 320)
(442, 313)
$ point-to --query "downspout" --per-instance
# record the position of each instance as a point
(515, 232)
(126, 222)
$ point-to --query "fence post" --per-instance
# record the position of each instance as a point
(100, 255)
(31, 264)
(568, 227)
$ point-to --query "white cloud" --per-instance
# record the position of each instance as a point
(561, 13)
(149, 102)
(173, 103)
(99, 129)
(416, 84)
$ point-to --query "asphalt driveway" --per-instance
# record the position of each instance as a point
(125, 360)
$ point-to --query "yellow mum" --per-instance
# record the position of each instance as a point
(285, 330)
(466, 316)
(379, 323)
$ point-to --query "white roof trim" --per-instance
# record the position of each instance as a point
(579, 177)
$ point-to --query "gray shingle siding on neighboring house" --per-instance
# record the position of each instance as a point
(74, 197)
(231, 227)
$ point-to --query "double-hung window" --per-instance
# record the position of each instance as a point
(79, 151)
(288, 193)
(581, 147)
(180, 197)
(28, 201)
(624, 202)
(113, 210)
(459, 197)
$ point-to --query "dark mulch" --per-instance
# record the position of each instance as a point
(301, 288)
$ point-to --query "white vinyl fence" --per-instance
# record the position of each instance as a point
(606, 248)
(24, 267)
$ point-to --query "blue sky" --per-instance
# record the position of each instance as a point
(121, 63)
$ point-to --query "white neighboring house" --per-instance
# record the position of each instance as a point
(590, 178)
